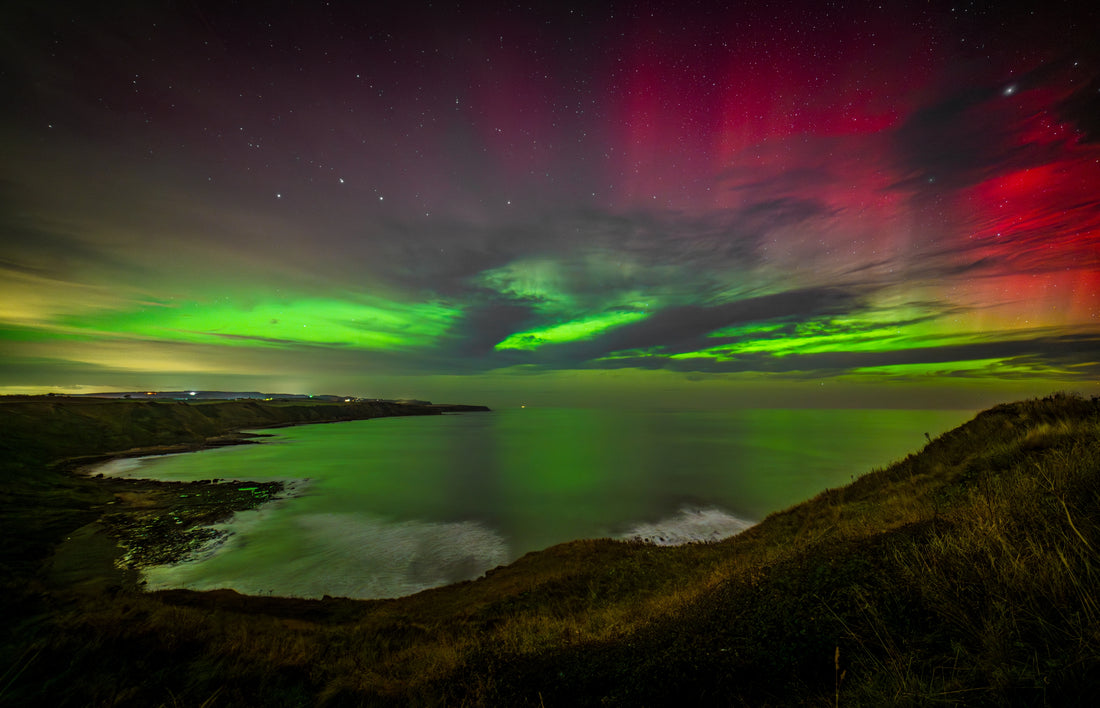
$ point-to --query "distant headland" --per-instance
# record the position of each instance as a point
(196, 395)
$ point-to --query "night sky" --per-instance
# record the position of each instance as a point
(842, 203)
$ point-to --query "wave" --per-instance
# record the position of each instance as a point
(121, 467)
(343, 555)
(689, 525)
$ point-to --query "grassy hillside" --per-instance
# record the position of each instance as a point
(967, 573)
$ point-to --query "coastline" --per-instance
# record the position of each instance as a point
(152, 523)
(867, 581)
(681, 519)
(166, 529)
(98, 532)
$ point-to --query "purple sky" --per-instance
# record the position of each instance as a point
(795, 203)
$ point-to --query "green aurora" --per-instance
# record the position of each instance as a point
(617, 231)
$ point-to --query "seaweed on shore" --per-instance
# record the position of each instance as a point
(160, 523)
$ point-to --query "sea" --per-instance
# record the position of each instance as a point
(391, 506)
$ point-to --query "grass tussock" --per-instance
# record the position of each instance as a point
(964, 574)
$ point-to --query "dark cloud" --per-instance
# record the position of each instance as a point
(37, 242)
(484, 325)
(954, 143)
(974, 133)
(677, 330)
(594, 253)
(684, 329)
(1074, 355)
(1082, 107)
(259, 340)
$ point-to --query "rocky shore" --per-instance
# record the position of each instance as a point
(86, 529)
(154, 522)
(159, 523)
(146, 522)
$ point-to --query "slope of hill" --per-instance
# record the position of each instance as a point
(966, 573)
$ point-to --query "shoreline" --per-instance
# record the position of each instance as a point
(84, 465)
(160, 524)
(142, 523)
(154, 522)
(151, 523)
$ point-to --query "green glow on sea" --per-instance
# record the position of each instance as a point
(395, 505)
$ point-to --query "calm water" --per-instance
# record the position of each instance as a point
(396, 505)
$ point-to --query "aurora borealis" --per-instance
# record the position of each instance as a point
(717, 203)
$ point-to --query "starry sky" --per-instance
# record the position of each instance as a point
(673, 203)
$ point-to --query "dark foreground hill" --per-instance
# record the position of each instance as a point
(965, 574)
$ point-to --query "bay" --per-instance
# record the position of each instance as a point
(391, 506)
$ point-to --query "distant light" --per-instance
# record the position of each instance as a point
(347, 400)
(192, 393)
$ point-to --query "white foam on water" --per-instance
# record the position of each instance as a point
(372, 557)
(688, 526)
(346, 555)
(231, 532)
(122, 467)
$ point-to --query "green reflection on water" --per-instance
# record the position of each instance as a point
(535, 477)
